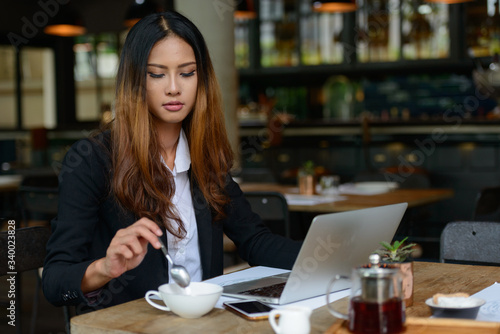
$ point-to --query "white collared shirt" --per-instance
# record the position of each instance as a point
(184, 251)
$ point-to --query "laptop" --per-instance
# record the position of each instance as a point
(334, 244)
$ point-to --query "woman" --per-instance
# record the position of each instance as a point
(161, 170)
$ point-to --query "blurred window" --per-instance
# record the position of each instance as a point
(38, 90)
(483, 28)
(8, 119)
(425, 30)
(321, 36)
(390, 30)
(96, 63)
(278, 33)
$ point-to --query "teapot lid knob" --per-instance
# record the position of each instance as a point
(374, 259)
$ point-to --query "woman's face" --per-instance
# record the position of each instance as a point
(172, 80)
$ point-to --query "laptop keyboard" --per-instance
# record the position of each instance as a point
(273, 290)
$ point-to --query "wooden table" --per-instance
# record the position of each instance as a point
(139, 317)
(414, 197)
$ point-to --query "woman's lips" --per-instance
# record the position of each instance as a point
(173, 106)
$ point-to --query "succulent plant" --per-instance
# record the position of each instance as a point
(397, 252)
(308, 168)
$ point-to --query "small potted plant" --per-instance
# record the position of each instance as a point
(399, 255)
(307, 178)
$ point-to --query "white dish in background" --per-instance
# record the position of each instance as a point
(376, 186)
(367, 188)
(297, 199)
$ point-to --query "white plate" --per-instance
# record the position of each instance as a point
(468, 311)
(472, 302)
(376, 185)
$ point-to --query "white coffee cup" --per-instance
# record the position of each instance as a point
(193, 302)
(292, 320)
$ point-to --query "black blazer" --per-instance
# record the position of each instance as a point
(89, 216)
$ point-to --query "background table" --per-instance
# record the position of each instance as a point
(10, 182)
(414, 197)
(139, 317)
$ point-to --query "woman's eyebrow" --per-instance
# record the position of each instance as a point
(165, 67)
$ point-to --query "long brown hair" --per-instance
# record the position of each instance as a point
(140, 181)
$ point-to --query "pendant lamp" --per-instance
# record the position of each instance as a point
(334, 6)
(244, 9)
(137, 10)
(66, 23)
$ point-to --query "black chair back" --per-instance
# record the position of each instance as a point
(471, 242)
(29, 249)
(272, 208)
(487, 206)
(38, 201)
(38, 198)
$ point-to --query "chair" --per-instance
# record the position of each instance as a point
(29, 254)
(487, 206)
(38, 198)
(272, 208)
(471, 242)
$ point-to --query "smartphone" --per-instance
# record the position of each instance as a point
(249, 309)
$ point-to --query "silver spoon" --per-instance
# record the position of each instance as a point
(178, 273)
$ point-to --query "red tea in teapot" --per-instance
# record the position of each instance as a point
(376, 318)
(376, 305)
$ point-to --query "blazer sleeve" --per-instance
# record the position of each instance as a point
(255, 242)
(82, 186)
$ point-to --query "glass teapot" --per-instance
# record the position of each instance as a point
(376, 303)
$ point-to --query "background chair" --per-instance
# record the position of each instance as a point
(273, 210)
(471, 242)
(30, 252)
(38, 198)
(487, 207)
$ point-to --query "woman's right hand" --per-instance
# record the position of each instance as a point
(125, 252)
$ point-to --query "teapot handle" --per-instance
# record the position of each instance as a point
(330, 309)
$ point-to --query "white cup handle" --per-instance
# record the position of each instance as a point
(154, 304)
(272, 320)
